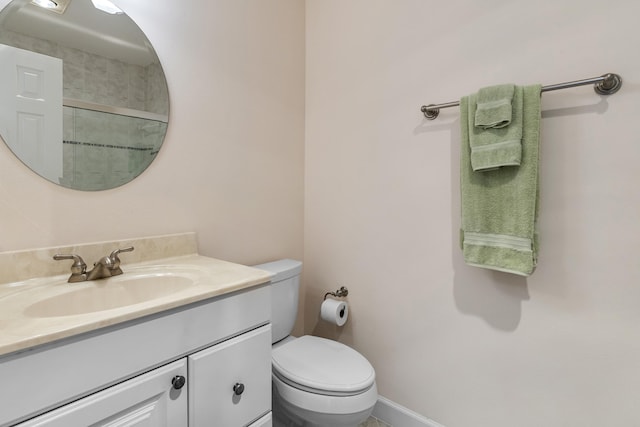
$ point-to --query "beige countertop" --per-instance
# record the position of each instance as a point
(22, 326)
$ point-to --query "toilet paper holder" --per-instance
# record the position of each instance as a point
(340, 293)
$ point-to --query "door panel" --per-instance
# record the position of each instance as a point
(230, 383)
(145, 401)
(31, 109)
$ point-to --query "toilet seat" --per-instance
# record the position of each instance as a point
(321, 366)
(308, 405)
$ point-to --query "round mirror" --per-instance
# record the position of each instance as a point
(83, 98)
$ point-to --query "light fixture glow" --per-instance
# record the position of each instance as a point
(47, 4)
(106, 6)
(58, 6)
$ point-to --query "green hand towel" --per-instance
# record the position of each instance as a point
(496, 147)
(494, 106)
(500, 207)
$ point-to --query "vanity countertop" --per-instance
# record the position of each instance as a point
(22, 327)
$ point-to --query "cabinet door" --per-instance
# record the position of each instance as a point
(230, 383)
(149, 400)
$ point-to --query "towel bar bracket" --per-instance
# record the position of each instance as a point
(430, 113)
(607, 84)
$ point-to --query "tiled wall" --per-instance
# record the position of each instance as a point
(106, 150)
(94, 78)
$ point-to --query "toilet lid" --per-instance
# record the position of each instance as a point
(324, 366)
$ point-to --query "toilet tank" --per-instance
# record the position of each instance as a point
(285, 286)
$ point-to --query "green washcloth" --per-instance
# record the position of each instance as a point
(496, 147)
(494, 106)
(500, 208)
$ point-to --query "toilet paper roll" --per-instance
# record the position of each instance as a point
(334, 311)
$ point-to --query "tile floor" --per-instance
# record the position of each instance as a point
(374, 422)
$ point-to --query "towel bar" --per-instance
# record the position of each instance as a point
(607, 84)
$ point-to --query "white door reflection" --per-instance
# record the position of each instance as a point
(31, 111)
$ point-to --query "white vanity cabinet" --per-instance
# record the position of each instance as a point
(123, 375)
(228, 384)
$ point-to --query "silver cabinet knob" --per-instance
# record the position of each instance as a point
(178, 382)
(238, 389)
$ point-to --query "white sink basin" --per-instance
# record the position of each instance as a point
(116, 292)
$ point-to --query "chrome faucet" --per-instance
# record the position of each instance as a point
(106, 266)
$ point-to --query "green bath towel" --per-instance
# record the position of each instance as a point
(494, 106)
(500, 207)
(493, 148)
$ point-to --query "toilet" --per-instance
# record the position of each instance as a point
(316, 382)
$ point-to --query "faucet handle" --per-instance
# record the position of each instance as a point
(78, 268)
(115, 260)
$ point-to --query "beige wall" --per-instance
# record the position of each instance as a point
(231, 168)
(461, 345)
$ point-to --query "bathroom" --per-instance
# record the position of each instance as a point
(295, 131)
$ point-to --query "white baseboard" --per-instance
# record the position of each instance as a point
(399, 416)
